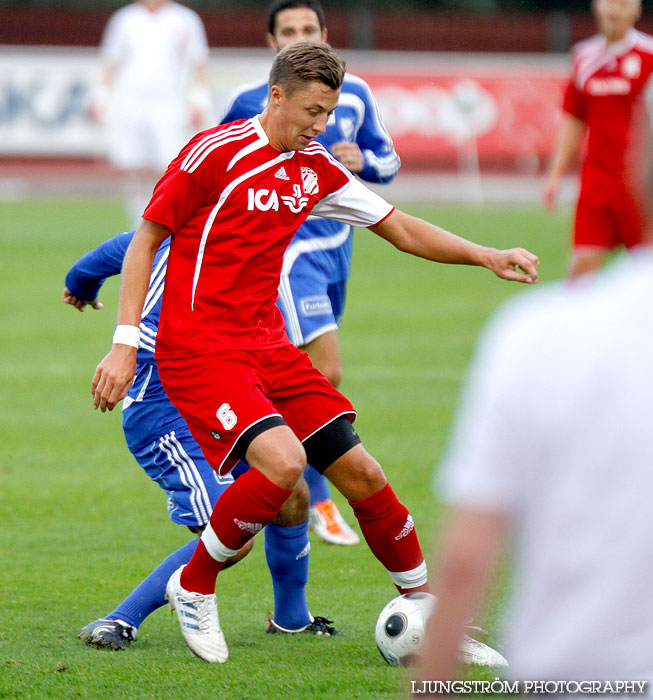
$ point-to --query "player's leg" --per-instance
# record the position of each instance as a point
(595, 232)
(321, 416)
(312, 309)
(154, 137)
(278, 461)
(325, 518)
(130, 152)
(631, 215)
(245, 425)
(175, 462)
(324, 351)
(287, 549)
(387, 526)
(586, 259)
(252, 502)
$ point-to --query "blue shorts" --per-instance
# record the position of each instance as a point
(159, 439)
(313, 286)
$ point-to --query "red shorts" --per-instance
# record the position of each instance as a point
(222, 396)
(606, 217)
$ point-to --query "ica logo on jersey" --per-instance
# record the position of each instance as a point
(265, 199)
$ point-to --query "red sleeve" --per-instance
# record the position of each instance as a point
(574, 102)
(177, 196)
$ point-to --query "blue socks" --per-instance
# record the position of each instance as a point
(150, 594)
(286, 551)
(318, 485)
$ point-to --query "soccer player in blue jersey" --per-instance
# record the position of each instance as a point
(316, 265)
(161, 442)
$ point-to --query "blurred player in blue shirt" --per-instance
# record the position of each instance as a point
(161, 442)
(316, 265)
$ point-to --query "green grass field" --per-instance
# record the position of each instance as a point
(81, 524)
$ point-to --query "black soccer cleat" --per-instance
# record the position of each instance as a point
(115, 634)
(320, 626)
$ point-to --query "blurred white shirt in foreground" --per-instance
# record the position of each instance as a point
(556, 430)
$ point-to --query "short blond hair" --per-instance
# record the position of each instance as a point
(305, 62)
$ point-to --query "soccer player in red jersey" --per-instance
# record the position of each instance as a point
(232, 201)
(610, 71)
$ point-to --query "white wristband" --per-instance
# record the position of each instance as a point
(127, 335)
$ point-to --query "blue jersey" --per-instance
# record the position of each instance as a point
(357, 120)
(88, 274)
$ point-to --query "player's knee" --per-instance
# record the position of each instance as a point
(369, 474)
(286, 468)
(295, 510)
(294, 462)
(356, 474)
(586, 260)
(279, 455)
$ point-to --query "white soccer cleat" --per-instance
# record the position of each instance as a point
(326, 522)
(198, 619)
(474, 652)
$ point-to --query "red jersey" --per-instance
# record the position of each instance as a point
(605, 85)
(233, 203)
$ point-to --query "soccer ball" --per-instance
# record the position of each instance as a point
(401, 626)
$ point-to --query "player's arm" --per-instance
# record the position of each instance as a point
(466, 562)
(199, 95)
(115, 372)
(372, 155)
(86, 277)
(101, 94)
(111, 49)
(418, 237)
(570, 140)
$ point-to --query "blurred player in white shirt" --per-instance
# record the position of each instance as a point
(153, 92)
(552, 452)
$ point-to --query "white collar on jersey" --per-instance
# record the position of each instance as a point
(260, 142)
(256, 123)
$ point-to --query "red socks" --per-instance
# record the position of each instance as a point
(242, 511)
(253, 501)
(390, 533)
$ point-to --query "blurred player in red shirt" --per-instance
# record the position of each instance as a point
(610, 71)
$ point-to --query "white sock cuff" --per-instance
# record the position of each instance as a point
(218, 550)
(410, 579)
